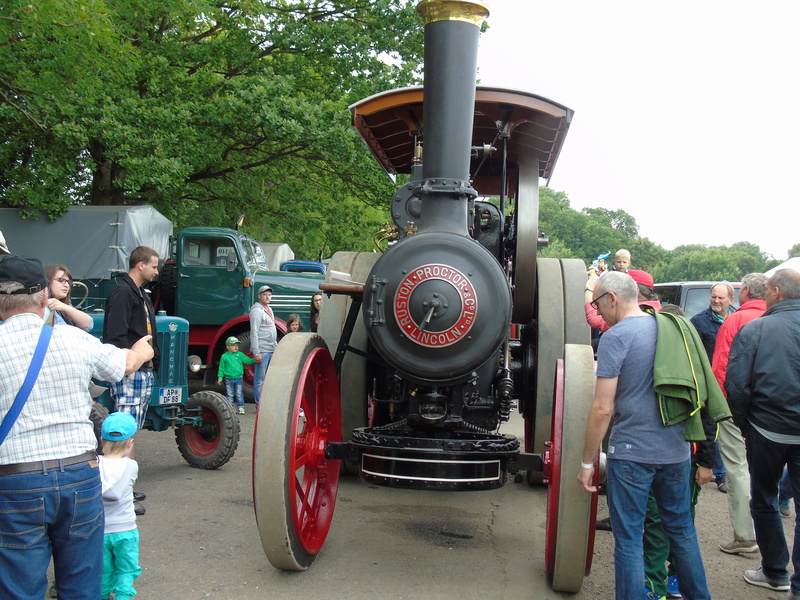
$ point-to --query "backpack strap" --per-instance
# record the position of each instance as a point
(27, 385)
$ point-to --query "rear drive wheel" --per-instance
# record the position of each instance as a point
(294, 484)
(211, 442)
(571, 512)
(560, 319)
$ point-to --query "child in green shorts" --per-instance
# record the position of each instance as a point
(118, 473)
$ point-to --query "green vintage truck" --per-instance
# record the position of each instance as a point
(209, 275)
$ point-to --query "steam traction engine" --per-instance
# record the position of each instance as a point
(414, 366)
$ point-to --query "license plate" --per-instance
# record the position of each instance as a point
(169, 395)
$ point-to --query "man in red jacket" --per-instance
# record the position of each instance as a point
(753, 304)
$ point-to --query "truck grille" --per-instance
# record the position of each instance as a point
(174, 347)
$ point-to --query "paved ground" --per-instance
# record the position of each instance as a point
(199, 540)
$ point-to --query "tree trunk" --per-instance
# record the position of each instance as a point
(107, 178)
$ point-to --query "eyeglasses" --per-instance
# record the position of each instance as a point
(62, 280)
(594, 302)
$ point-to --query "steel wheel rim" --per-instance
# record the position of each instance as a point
(204, 439)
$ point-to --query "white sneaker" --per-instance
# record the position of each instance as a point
(757, 577)
(241, 410)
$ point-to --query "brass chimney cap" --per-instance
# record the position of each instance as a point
(471, 11)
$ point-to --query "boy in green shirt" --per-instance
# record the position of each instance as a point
(231, 369)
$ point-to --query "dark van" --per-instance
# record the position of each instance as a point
(692, 296)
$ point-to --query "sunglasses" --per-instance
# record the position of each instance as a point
(593, 303)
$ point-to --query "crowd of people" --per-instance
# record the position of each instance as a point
(52, 488)
(63, 499)
(687, 401)
(681, 402)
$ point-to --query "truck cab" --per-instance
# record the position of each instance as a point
(216, 272)
(212, 279)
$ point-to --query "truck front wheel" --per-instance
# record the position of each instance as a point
(212, 440)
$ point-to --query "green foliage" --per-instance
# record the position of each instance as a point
(794, 251)
(616, 219)
(204, 110)
(593, 231)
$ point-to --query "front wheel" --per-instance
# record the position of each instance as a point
(212, 441)
(294, 483)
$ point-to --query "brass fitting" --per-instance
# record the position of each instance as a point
(471, 11)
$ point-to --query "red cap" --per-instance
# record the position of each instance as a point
(642, 277)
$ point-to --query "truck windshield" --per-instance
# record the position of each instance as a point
(254, 255)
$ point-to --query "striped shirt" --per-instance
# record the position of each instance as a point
(54, 423)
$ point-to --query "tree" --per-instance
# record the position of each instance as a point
(203, 109)
(587, 236)
(794, 251)
(616, 219)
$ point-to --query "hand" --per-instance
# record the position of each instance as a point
(592, 280)
(258, 358)
(144, 347)
(219, 381)
(54, 304)
(703, 475)
(585, 479)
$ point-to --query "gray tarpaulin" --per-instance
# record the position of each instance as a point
(92, 241)
(276, 254)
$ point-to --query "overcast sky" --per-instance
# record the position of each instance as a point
(687, 114)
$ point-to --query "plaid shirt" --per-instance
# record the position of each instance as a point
(54, 423)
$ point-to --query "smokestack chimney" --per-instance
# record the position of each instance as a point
(452, 28)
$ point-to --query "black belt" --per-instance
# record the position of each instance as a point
(43, 465)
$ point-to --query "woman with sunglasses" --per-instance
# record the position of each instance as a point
(59, 306)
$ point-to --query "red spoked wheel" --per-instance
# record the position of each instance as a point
(211, 441)
(294, 484)
(571, 512)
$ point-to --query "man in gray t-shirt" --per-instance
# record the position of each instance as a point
(643, 454)
(627, 352)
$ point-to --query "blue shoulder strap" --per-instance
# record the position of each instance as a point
(27, 385)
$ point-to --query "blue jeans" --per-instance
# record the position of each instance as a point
(233, 387)
(57, 512)
(766, 460)
(259, 374)
(629, 485)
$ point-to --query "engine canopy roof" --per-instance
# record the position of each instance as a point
(537, 127)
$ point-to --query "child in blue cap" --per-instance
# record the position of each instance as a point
(118, 473)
